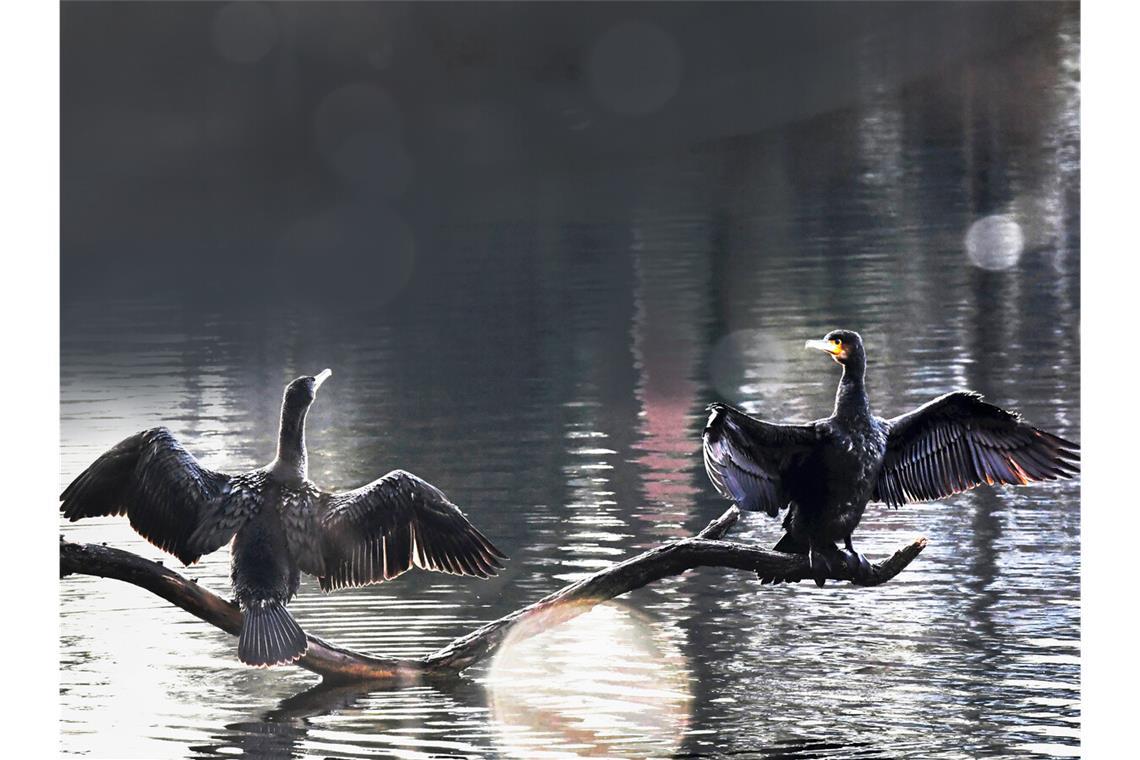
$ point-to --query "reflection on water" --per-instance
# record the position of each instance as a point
(548, 364)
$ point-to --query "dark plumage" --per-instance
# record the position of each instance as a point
(280, 522)
(825, 472)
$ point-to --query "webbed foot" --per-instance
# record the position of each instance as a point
(858, 565)
(820, 566)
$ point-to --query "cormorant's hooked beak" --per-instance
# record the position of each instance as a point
(320, 377)
(827, 346)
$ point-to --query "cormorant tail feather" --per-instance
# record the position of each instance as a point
(269, 635)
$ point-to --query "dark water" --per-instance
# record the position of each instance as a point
(544, 354)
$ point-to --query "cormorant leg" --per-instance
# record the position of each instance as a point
(858, 565)
(820, 567)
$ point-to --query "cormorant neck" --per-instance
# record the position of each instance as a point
(292, 458)
(851, 398)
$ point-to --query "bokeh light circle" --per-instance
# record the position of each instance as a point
(635, 68)
(607, 683)
(244, 32)
(748, 363)
(995, 242)
(359, 133)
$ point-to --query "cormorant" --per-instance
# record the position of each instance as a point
(826, 471)
(281, 523)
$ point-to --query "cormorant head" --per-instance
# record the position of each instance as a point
(300, 393)
(845, 347)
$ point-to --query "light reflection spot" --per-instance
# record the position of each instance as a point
(606, 683)
(244, 32)
(635, 68)
(359, 132)
(748, 363)
(995, 242)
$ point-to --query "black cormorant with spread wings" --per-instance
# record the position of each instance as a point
(825, 472)
(280, 522)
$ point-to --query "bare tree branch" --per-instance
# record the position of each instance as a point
(337, 664)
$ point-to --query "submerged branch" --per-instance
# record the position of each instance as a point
(337, 664)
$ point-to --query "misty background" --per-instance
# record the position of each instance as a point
(251, 150)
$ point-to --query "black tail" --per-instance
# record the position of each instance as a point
(269, 635)
(790, 545)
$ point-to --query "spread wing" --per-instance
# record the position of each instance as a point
(161, 489)
(957, 442)
(377, 532)
(745, 457)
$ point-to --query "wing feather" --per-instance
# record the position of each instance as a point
(162, 490)
(957, 442)
(385, 528)
(745, 458)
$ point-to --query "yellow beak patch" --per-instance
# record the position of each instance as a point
(833, 347)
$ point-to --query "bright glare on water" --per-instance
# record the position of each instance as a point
(544, 352)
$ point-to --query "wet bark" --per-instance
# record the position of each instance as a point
(337, 664)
